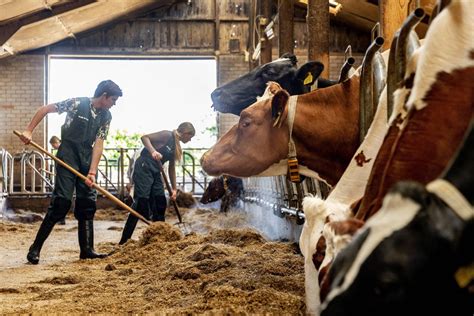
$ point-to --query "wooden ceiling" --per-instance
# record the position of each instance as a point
(364, 14)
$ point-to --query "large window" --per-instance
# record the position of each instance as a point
(158, 93)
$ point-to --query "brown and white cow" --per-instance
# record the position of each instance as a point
(321, 239)
(424, 137)
(325, 132)
(422, 140)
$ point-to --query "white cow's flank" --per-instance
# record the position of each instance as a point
(449, 41)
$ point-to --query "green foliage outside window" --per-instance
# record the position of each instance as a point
(121, 139)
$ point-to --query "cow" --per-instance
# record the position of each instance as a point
(424, 136)
(415, 255)
(238, 94)
(428, 122)
(321, 237)
(229, 189)
(256, 147)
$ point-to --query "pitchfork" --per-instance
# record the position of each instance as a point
(182, 225)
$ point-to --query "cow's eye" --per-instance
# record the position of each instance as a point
(245, 123)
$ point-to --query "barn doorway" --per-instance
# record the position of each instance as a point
(158, 93)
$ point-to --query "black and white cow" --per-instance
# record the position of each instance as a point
(415, 256)
(238, 94)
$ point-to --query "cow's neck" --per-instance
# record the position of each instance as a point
(326, 129)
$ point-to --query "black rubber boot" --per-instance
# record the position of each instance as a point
(86, 240)
(43, 233)
(128, 229)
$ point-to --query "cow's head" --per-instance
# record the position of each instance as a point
(262, 128)
(240, 93)
(214, 191)
(405, 260)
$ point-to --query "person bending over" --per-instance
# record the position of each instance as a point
(149, 191)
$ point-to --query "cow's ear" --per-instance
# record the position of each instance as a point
(309, 72)
(278, 107)
(291, 57)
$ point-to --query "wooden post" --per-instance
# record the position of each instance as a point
(318, 33)
(286, 39)
(266, 53)
(392, 14)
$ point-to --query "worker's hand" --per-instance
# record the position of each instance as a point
(128, 186)
(90, 179)
(26, 137)
(173, 196)
(156, 155)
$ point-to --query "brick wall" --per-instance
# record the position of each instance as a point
(229, 67)
(22, 87)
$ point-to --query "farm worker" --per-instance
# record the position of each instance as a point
(83, 135)
(163, 146)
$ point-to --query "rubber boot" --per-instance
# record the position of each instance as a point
(43, 233)
(86, 240)
(128, 229)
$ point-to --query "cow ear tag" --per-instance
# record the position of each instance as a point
(308, 79)
(293, 169)
(464, 275)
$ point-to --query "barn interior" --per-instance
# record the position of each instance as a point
(241, 260)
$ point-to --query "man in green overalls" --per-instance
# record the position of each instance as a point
(83, 134)
(149, 192)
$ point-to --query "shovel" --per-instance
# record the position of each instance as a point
(94, 185)
(180, 223)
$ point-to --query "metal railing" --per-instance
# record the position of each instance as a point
(36, 172)
(281, 195)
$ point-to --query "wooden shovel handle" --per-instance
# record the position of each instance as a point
(84, 178)
(170, 191)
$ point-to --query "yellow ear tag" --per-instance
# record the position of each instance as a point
(308, 79)
(464, 275)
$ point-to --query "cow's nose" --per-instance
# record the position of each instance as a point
(203, 158)
(216, 94)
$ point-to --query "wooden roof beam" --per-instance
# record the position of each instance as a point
(10, 27)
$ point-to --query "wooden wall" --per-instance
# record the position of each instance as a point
(208, 27)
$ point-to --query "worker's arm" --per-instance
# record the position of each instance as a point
(172, 175)
(158, 139)
(96, 155)
(39, 115)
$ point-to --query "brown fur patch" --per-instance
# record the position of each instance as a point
(320, 252)
(361, 159)
(346, 227)
(421, 151)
